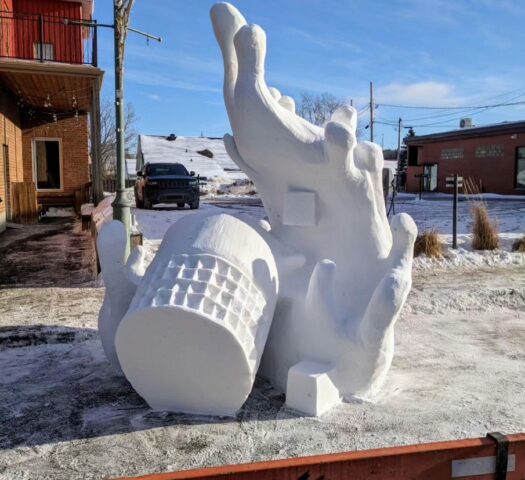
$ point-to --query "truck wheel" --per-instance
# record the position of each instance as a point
(180, 205)
(194, 204)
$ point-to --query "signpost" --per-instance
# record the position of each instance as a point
(422, 177)
(454, 182)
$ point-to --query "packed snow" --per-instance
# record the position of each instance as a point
(457, 373)
(428, 215)
(66, 414)
(206, 156)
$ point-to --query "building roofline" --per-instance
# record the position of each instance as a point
(497, 128)
(48, 67)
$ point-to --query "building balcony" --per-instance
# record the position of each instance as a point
(42, 38)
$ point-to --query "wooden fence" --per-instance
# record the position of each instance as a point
(25, 205)
(494, 457)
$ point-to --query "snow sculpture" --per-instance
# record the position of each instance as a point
(327, 271)
(120, 287)
(196, 328)
(347, 272)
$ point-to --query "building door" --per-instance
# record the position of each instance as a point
(47, 166)
(430, 170)
(4, 204)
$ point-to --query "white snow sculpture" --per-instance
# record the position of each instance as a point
(342, 290)
(120, 285)
(196, 328)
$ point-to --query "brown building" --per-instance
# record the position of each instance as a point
(492, 156)
(49, 92)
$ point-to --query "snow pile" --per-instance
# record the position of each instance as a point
(223, 188)
(60, 212)
(427, 215)
(205, 156)
(465, 256)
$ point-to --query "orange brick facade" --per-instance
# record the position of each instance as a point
(489, 160)
(73, 135)
(11, 168)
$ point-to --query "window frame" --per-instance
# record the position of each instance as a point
(40, 51)
(516, 159)
(60, 162)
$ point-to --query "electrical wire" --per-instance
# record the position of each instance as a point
(390, 105)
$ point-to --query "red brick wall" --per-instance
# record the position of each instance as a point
(496, 174)
(75, 157)
(10, 135)
(413, 183)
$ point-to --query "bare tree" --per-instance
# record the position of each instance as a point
(317, 109)
(108, 138)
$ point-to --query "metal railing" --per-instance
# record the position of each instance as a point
(47, 39)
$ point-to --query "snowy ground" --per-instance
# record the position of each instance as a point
(457, 373)
(64, 414)
(428, 214)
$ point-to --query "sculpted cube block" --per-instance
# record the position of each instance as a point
(310, 389)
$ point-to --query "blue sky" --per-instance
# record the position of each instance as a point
(417, 52)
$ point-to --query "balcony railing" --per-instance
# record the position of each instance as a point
(47, 39)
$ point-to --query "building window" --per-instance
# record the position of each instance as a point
(43, 51)
(452, 153)
(520, 167)
(47, 164)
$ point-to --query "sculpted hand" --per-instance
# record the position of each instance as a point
(323, 195)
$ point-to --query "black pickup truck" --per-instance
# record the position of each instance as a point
(166, 183)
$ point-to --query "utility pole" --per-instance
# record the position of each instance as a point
(122, 202)
(399, 127)
(371, 112)
(121, 13)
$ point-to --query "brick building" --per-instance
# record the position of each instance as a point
(492, 156)
(49, 92)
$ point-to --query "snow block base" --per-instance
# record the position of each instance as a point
(310, 389)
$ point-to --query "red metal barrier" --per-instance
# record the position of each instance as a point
(472, 459)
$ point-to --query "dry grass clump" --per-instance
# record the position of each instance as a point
(519, 245)
(429, 244)
(484, 229)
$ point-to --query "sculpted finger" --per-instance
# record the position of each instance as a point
(320, 299)
(347, 116)
(339, 145)
(227, 21)
(111, 246)
(288, 103)
(369, 157)
(250, 46)
(275, 93)
(391, 293)
(231, 149)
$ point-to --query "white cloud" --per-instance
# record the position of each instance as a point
(326, 42)
(419, 93)
(157, 80)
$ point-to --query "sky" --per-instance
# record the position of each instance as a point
(437, 53)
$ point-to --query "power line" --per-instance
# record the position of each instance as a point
(450, 108)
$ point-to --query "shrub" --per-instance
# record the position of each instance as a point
(429, 244)
(519, 245)
(484, 230)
